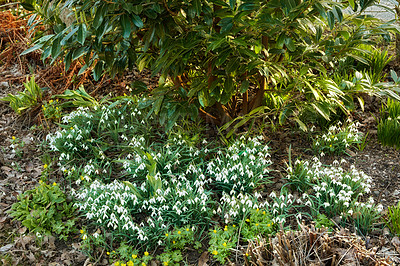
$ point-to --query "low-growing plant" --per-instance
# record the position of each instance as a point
(281, 207)
(337, 139)
(180, 238)
(389, 132)
(394, 219)
(52, 110)
(299, 176)
(259, 223)
(363, 142)
(222, 241)
(323, 221)
(45, 210)
(24, 100)
(17, 146)
(388, 128)
(116, 205)
(241, 167)
(170, 257)
(332, 192)
(364, 216)
(128, 256)
(90, 241)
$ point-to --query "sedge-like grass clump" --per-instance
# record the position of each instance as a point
(389, 124)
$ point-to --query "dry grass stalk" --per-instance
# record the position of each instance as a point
(313, 246)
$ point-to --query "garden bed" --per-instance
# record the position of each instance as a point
(92, 179)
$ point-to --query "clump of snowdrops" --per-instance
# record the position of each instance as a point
(337, 139)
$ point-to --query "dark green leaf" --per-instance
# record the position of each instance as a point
(197, 6)
(33, 48)
(338, 14)
(69, 35)
(68, 60)
(78, 53)
(290, 44)
(56, 48)
(82, 31)
(331, 20)
(137, 21)
(244, 86)
(99, 16)
(126, 26)
(232, 3)
(137, 9)
(98, 70)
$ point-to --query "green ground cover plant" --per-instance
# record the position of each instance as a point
(394, 219)
(389, 124)
(24, 100)
(147, 186)
(45, 210)
(17, 146)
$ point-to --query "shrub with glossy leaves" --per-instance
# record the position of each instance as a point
(211, 53)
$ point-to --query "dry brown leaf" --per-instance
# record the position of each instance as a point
(52, 245)
(76, 245)
(24, 240)
(203, 259)
(31, 257)
(22, 230)
(396, 243)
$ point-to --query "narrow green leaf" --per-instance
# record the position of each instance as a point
(301, 124)
(322, 110)
(78, 52)
(232, 3)
(82, 31)
(137, 21)
(55, 48)
(98, 70)
(244, 86)
(197, 7)
(337, 12)
(99, 16)
(82, 70)
(290, 44)
(137, 9)
(32, 49)
(126, 26)
(68, 60)
(68, 36)
(331, 20)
